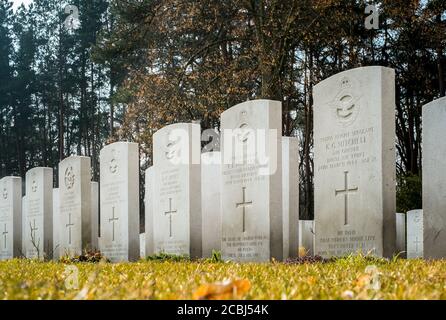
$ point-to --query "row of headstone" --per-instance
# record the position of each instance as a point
(422, 233)
(409, 229)
(243, 200)
(49, 222)
(10, 217)
(188, 192)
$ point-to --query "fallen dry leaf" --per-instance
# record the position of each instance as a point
(226, 290)
(302, 252)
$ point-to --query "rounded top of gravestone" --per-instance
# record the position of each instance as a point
(119, 145)
(38, 169)
(8, 178)
(175, 126)
(439, 103)
(344, 75)
(73, 160)
(211, 158)
(250, 104)
(415, 211)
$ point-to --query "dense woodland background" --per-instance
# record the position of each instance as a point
(135, 66)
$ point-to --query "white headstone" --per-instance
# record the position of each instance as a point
(142, 245)
(56, 224)
(149, 227)
(306, 236)
(354, 163)
(251, 194)
(401, 234)
(434, 179)
(75, 205)
(10, 217)
(415, 234)
(210, 202)
(119, 201)
(290, 195)
(94, 215)
(39, 213)
(177, 190)
(24, 224)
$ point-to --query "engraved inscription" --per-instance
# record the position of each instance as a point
(347, 150)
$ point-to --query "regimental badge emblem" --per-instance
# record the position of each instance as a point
(244, 131)
(33, 182)
(113, 165)
(173, 147)
(69, 178)
(346, 104)
(34, 186)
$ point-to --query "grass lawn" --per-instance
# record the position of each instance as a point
(348, 278)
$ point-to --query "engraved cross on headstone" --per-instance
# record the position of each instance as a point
(245, 204)
(4, 234)
(69, 225)
(346, 192)
(113, 219)
(170, 212)
(417, 242)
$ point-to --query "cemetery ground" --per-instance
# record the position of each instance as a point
(354, 277)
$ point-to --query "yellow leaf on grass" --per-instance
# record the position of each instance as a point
(225, 290)
(302, 252)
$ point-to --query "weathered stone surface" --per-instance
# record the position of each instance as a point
(415, 234)
(434, 179)
(149, 227)
(401, 235)
(354, 161)
(177, 190)
(56, 224)
(75, 225)
(10, 217)
(95, 215)
(290, 195)
(39, 213)
(119, 198)
(252, 226)
(211, 201)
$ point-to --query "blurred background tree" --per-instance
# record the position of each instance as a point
(135, 66)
